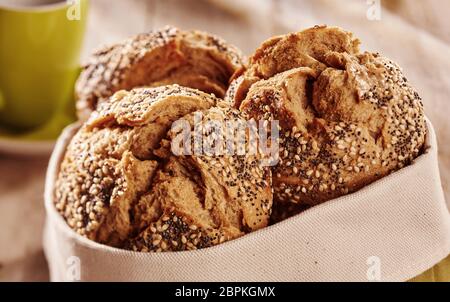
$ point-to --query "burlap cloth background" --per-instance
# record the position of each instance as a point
(416, 34)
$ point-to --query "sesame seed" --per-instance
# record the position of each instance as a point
(314, 145)
(156, 242)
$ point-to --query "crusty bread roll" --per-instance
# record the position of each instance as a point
(305, 49)
(203, 200)
(347, 118)
(168, 56)
(119, 184)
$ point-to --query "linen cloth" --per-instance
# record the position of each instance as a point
(391, 230)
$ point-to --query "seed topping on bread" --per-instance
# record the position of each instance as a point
(347, 118)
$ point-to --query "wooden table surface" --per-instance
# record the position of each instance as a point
(414, 33)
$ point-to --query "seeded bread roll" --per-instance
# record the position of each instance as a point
(203, 200)
(118, 178)
(347, 118)
(110, 163)
(168, 56)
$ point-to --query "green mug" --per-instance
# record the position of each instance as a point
(40, 45)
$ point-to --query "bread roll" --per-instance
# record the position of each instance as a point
(168, 56)
(347, 118)
(204, 200)
(119, 184)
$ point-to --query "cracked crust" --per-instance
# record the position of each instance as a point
(282, 53)
(110, 162)
(229, 195)
(168, 56)
(347, 118)
(120, 184)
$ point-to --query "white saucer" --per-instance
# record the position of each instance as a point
(36, 143)
(26, 148)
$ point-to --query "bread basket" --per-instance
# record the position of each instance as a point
(391, 230)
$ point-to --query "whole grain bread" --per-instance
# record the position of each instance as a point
(167, 56)
(120, 184)
(347, 118)
(205, 199)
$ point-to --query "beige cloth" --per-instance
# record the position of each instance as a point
(401, 220)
